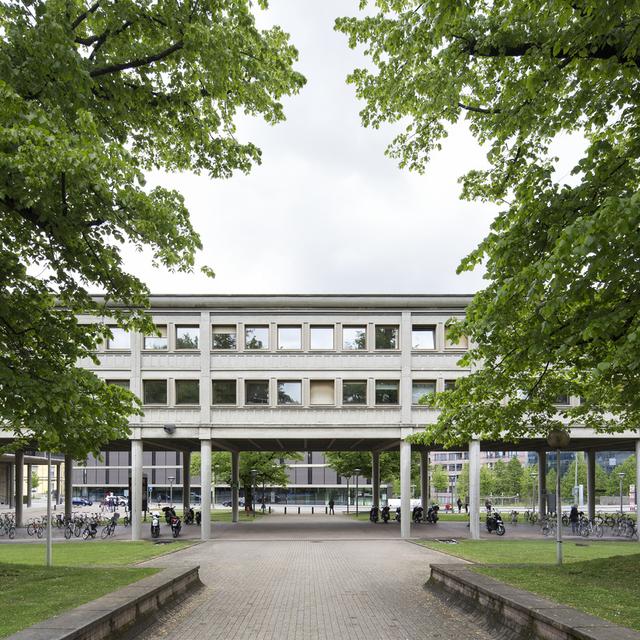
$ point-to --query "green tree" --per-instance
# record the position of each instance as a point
(35, 480)
(561, 311)
(628, 467)
(269, 470)
(508, 477)
(487, 481)
(462, 483)
(567, 482)
(92, 95)
(439, 478)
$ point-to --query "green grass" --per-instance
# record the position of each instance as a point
(604, 587)
(530, 551)
(82, 571)
(90, 553)
(30, 594)
(225, 516)
(601, 578)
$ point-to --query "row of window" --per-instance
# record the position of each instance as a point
(289, 392)
(289, 338)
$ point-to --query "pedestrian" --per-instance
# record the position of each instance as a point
(574, 518)
(459, 503)
(331, 504)
(263, 506)
(466, 505)
(487, 504)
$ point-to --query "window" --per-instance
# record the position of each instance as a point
(387, 336)
(422, 388)
(223, 392)
(354, 392)
(121, 339)
(460, 343)
(321, 337)
(256, 337)
(187, 392)
(156, 342)
(289, 392)
(289, 337)
(354, 338)
(562, 400)
(119, 383)
(322, 392)
(154, 391)
(449, 385)
(223, 337)
(187, 337)
(256, 392)
(387, 391)
(423, 337)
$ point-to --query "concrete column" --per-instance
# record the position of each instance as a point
(68, 486)
(19, 487)
(29, 483)
(12, 486)
(186, 480)
(591, 483)
(375, 478)
(136, 489)
(424, 479)
(205, 489)
(235, 485)
(474, 489)
(542, 482)
(58, 485)
(405, 489)
(637, 475)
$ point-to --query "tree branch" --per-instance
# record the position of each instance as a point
(479, 109)
(140, 62)
(83, 16)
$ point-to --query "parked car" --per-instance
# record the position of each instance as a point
(81, 502)
(119, 501)
(228, 503)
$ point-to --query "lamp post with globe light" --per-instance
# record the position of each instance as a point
(558, 439)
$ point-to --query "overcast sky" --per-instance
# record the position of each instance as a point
(327, 211)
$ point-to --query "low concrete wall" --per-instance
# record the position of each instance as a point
(521, 613)
(115, 612)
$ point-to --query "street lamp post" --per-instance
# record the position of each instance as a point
(171, 480)
(254, 473)
(348, 496)
(621, 476)
(357, 472)
(534, 477)
(558, 439)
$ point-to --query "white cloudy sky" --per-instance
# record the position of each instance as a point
(327, 211)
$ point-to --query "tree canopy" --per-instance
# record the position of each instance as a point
(560, 311)
(92, 95)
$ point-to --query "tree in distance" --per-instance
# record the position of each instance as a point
(92, 96)
(560, 315)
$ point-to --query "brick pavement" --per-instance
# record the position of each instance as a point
(320, 583)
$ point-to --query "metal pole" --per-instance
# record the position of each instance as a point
(621, 493)
(348, 494)
(357, 495)
(49, 532)
(558, 511)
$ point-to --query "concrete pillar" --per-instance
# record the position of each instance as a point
(19, 487)
(542, 482)
(591, 483)
(405, 489)
(68, 486)
(637, 475)
(375, 478)
(235, 484)
(205, 488)
(29, 484)
(424, 479)
(58, 485)
(136, 489)
(474, 489)
(12, 486)
(186, 480)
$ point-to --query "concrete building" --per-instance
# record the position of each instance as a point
(297, 373)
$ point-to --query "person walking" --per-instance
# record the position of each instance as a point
(331, 505)
(573, 519)
(459, 503)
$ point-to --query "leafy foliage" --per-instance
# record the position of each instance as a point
(560, 312)
(91, 97)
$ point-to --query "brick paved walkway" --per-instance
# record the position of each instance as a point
(310, 588)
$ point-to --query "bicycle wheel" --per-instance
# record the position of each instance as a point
(598, 530)
(106, 532)
(85, 534)
(12, 533)
(68, 532)
(40, 532)
(31, 529)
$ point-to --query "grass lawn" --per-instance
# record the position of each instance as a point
(601, 578)
(82, 572)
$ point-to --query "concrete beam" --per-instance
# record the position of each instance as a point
(474, 489)
(405, 489)
(205, 489)
(136, 489)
